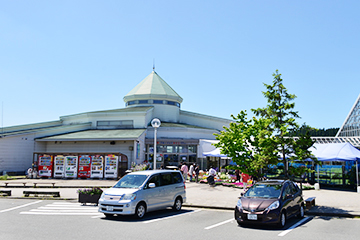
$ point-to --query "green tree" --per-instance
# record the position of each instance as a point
(254, 144)
(247, 142)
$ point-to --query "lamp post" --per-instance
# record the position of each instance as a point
(155, 123)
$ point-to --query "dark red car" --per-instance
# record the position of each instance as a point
(270, 202)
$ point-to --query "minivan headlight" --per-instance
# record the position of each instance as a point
(129, 196)
(239, 204)
(274, 205)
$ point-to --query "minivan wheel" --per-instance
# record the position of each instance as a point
(301, 212)
(140, 210)
(282, 219)
(177, 204)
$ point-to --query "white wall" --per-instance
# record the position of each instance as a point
(16, 152)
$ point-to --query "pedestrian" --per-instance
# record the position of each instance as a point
(197, 172)
(184, 170)
(191, 171)
(212, 171)
(237, 174)
(245, 178)
(211, 177)
(29, 173)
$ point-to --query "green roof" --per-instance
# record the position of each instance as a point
(153, 87)
(98, 135)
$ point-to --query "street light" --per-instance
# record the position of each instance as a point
(155, 123)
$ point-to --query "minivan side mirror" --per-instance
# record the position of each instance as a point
(152, 185)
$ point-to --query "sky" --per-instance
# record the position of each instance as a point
(59, 58)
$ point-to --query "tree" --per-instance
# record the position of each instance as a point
(261, 141)
(246, 142)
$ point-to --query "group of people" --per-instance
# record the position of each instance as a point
(192, 171)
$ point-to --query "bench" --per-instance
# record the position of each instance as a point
(7, 183)
(310, 202)
(53, 184)
(37, 193)
(5, 192)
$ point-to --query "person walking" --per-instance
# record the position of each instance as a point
(184, 170)
(191, 171)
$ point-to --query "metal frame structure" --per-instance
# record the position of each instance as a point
(351, 125)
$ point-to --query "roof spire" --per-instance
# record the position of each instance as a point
(154, 64)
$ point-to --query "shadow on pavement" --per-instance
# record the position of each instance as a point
(328, 211)
(148, 216)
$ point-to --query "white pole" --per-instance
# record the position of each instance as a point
(357, 173)
(155, 148)
(155, 123)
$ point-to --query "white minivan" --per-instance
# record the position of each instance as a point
(140, 192)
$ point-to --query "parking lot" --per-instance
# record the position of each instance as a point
(44, 219)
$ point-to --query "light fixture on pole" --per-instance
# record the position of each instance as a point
(155, 123)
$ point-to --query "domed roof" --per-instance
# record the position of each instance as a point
(153, 87)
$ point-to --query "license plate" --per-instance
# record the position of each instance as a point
(252, 216)
(109, 208)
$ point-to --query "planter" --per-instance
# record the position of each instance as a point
(87, 198)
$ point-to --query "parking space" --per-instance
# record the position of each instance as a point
(206, 222)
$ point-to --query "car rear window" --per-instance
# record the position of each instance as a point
(177, 177)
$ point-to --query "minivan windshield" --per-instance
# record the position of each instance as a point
(131, 181)
(264, 191)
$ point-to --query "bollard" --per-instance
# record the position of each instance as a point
(358, 189)
(317, 186)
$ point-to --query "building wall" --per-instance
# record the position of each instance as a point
(16, 150)
(16, 153)
(203, 120)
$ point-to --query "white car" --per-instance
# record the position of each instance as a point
(140, 192)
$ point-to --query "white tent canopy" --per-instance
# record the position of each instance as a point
(337, 152)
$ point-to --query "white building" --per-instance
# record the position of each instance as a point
(125, 132)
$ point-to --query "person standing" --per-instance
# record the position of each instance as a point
(184, 170)
(197, 172)
(245, 178)
(237, 174)
(191, 171)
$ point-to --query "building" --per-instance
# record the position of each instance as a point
(124, 134)
(349, 131)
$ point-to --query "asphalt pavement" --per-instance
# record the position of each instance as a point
(339, 203)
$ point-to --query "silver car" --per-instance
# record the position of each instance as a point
(140, 192)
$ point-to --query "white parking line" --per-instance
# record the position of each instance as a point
(160, 219)
(292, 227)
(219, 224)
(25, 205)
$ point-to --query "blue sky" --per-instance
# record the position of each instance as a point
(59, 58)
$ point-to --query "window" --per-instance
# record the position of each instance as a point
(154, 179)
(130, 103)
(115, 124)
(166, 179)
(158, 101)
(143, 101)
(177, 177)
(173, 103)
